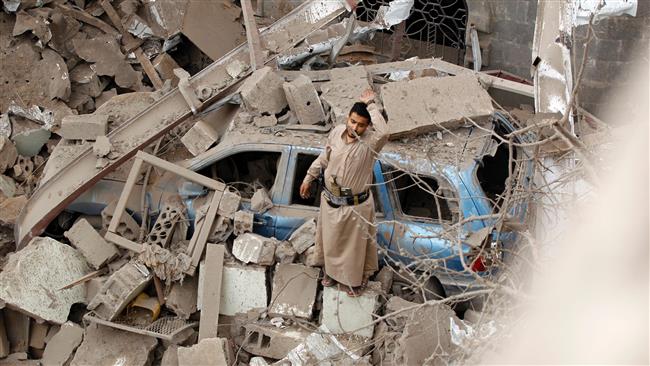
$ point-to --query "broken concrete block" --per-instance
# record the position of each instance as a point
(342, 313)
(37, 334)
(258, 361)
(102, 146)
(31, 279)
(243, 222)
(262, 92)
(312, 257)
(83, 127)
(127, 228)
(243, 288)
(29, 142)
(182, 297)
(107, 346)
(284, 253)
(5, 125)
(385, 277)
(163, 229)
(10, 209)
(200, 138)
(17, 325)
(92, 246)
(304, 236)
(8, 154)
(236, 68)
(118, 291)
(60, 348)
(209, 351)
(7, 187)
(341, 93)
(427, 334)
(165, 65)
(270, 341)
(303, 101)
(294, 290)
(23, 169)
(261, 201)
(170, 357)
(429, 103)
(221, 230)
(323, 348)
(229, 203)
(93, 286)
(254, 248)
(265, 121)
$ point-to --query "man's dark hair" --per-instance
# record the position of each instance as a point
(362, 110)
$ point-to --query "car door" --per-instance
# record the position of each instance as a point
(293, 210)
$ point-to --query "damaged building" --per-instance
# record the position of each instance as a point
(151, 154)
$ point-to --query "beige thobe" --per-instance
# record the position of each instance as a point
(346, 236)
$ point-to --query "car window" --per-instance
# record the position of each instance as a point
(303, 163)
(246, 171)
(418, 195)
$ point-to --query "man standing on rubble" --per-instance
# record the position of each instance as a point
(346, 235)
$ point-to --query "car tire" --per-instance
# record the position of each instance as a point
(408, 290)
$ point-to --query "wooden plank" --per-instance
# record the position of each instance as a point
(148, 69)
(88, 19)
(211, 299)
(202, 238)
(180, 171)
(124, 243)
(124, 197)
(252, 35)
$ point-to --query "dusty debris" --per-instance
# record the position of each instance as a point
(311, 257)
(10, 209)
(93, 286)
(103, 345)
(17, 325)
(303, 101)
(104, 52)
(265, 121)
(211, 283)
(294, 290)
(127, 228)
(8, 154)
(84, 127)
(243, 222)
(262, 92)
(30, 281)
(182, 297)
(254, 248)
(209, 351)
(304, 236)
(229, 203)
(60, 348)
(167, 265)
(166, 223)
(342, 91)
(37, 334)
(284, 253)
(321, 347)
(90, 244)
(265, 339)
(200, 138)
(342, 313)
(7, 188)
(118, 291)
(428, 104)
(261, 201)
(102, 146)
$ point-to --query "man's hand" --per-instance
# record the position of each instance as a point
(367, 96)
(304, 190)
(352, 4)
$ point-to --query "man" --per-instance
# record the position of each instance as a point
(345, 233)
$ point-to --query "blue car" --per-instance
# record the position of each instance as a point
(436, 196)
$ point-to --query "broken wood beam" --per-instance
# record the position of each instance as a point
(82, 16)
(211, 299)
(180, 171)
(252, 35)
(204, 233)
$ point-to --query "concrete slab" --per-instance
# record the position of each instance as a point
(243, 288)
(342, 313)
(212, 289)
(83, 127)
(262, 92)
(90, 244)
(294, 290)
(303, 100)
(118, 291)
(182, 297)
(270, 341)
(431, 103)
(60, 348)
(31, 279)
(209, 351)
(341, 93)
(254, 248)
(108, 346)
(304, 236)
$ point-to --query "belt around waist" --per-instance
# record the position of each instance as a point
(335, 201)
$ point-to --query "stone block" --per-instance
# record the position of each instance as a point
(265, 121)
(163, 229)
(90, 244)
(262, 92)
(83, 127)
(428, 104)
(18, 327)
(10, 209)
(200, 138)
(294, 290)
(37, 334)
(229, 203)
(342, 313)
(254, 248)
(8, 154)
(284, 253)
(118, 291)
(107, 346)
(243, 289)
(209, 351)
(304, 236)
(60, 348)
(270, 341)
(261, 201)
(31, 278)
(243, 222)
(182, 297)
(303, 100)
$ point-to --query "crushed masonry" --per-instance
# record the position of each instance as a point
(243, 222)
(90, 244)
(262, 92)
(104, 345)
(209, 351)
(303, 100)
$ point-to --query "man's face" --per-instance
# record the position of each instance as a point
(356, 123)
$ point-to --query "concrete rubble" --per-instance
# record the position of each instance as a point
(118, 291)
(294, 291)
(90, 244)
(209, 351)
(61, 347)
(254, 248)
(104, 345)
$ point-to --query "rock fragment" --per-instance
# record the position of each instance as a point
(304, 236)
(60, 348)
(294, 291)
(243, 222)
(118, 291)
(262, 92)
(92, 246)
(200, 138)
(209, 351)
(303, 100)
(261, 201)
(254, 248)
(8, 154)
(107, 346)
(84, 127)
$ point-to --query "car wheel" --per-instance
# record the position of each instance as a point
(408, 289)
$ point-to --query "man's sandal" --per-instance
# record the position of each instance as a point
(327, 281)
